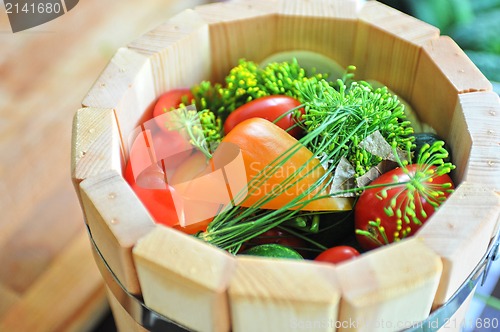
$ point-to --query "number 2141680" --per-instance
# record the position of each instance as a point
(39, 8)
(478, 323)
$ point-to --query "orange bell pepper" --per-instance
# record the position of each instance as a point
(261, 143)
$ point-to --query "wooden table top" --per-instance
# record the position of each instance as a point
(48, 278)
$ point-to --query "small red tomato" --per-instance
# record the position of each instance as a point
(389, 213)
(172, 147)
(269, 108)
(169, 101)
(337, 254)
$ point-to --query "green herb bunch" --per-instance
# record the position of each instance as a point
(353, 112)
(207, 127)
(247, 81)
(203, 129)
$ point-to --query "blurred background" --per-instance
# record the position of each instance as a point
(48, 279)
(473, 24)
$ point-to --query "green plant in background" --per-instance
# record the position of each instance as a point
(473, 24)
(442, 13)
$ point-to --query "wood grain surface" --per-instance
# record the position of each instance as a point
(48, 279)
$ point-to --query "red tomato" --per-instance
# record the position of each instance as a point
(269, 108)
(169, 101)
(383, 215)
(152, 190)
(154, 193)
(172, 147)
(337, 254)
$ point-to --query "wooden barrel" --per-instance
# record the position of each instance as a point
(174, 277)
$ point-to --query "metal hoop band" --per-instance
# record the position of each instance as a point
(155, 322)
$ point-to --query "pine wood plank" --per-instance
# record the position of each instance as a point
(117, 220)
(443, 72)
(178, 51)
(460, 142)
(460, 232)
(326, 27)
(387, 46)
(388, 286)
(96, 144)
(42, 307)
(116, 79)
(278, 26)
(229, 36)
(283, 295)
(126, 86)
(322, 8)
(185, 279)
(171, 31)
(478, 151)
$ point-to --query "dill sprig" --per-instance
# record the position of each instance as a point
(353, 112)
(247, 81)
(203, 128)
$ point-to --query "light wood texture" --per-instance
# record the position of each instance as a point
(389, 286)
(460, 234)
(178, 51)
(228, 26)
(443, 72)
(66, 294)
(388, 46)
(477, 115)
(326, 27)
(283, 295)
(185, 279)
(96, 144)
(278, 26)
(117, 219)
(45, 72)
(123, 88)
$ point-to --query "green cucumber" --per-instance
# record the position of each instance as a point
(273, 250)
(312, 62)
